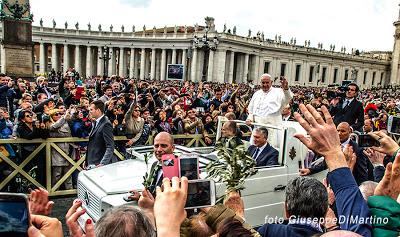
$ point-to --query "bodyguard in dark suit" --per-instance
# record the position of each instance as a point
(360, 171)
(349, 110)
(163, 144)
(262, 151)
(101, 141)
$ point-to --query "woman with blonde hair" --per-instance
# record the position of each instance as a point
(59, 127)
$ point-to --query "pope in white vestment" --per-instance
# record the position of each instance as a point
(267, 103)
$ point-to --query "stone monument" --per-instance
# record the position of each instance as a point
(17, 47)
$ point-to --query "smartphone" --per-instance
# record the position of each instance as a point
(170, 166)
(189, 166)
(82, 219)
(201, 193)
(394, 125)
(365, 140)
(14, 215)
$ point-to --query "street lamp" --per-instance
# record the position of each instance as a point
(105, 57)
(206, 44)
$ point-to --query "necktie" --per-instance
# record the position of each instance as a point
(93, 127)
(346, 102)
(256, 153)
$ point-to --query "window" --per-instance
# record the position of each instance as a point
(283, 69)
(323, 76)
(346, 74)
(373, 78)
(335, 71)
(365, 77)
(266, 67)
(311, 76)
(298, 71)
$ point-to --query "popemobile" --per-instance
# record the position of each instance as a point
(264, 194)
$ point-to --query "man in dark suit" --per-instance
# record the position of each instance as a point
(360, 171)
(349, 110)
(163, 144)
(101, 141)
(262, 151)
(287, 114)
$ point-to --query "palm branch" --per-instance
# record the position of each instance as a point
(232, 167)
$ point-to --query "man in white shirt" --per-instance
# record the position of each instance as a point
(267, 103)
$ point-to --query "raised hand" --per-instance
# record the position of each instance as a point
(39, 203)
(324, 138)
(390, 183)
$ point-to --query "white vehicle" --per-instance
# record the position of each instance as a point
(105, 187)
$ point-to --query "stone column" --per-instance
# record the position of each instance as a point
(121, 68)
(193, 72)
(54, 57)
(256, 74)
(132, 63)
(111, 61)
(3, 59)
(142, 63)
(42, 58)
(231, 66)
(184, 57)
(163, 64)
(246, 68)
(173, 56)
(78, 59)
(89, 61)
(100, 62)
(239, 68)
(210, 66)
(153, 64)
(220, 60)
(66, 62)
(184, 60)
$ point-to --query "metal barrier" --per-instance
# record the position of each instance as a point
(188, 140)
(48, 145)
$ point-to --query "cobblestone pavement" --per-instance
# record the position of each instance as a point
(61, 206)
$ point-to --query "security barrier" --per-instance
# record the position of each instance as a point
(188, 140)
(51, 143)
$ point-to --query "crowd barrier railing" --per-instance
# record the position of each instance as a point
(188, 140)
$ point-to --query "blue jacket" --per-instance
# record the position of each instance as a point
(272, 230)
(349, 202)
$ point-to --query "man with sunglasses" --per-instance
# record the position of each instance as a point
(349, 109)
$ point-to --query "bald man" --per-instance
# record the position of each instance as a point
(163, 144)
(360, 171)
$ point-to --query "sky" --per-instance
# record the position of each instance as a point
(362, 24)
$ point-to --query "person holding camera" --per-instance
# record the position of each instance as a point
(30, 128)
(59, 127)
(349, 109)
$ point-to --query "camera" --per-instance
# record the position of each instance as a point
(201, 193)
(394, 125)
(14, 214)
(365, 140)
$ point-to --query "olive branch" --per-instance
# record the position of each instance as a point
(232, 167)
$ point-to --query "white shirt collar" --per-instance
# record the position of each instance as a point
(98, 120)
(349, 100)
(262, 148)
(345, 143)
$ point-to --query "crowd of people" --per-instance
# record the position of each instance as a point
(359, 179)
(339, 207)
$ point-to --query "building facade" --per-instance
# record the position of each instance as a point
(145, 54)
